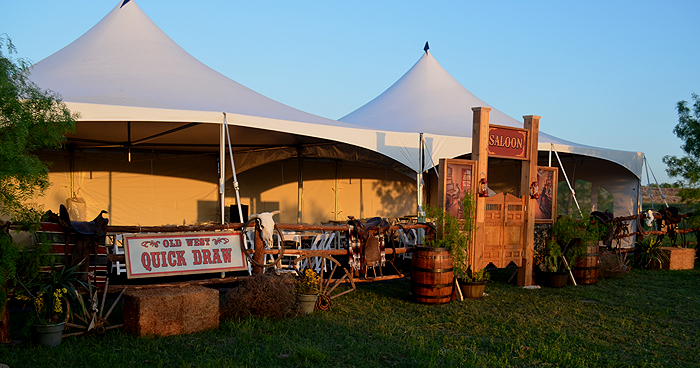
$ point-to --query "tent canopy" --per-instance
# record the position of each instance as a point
(427, 99)
(135, 87)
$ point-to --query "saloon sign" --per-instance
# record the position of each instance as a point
(167, 254)
(508, 142)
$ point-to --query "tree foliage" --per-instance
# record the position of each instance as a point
(687, 168)
(30, 119)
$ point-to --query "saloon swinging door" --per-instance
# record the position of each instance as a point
(504, 222)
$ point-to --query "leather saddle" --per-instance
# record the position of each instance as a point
(367, 233)
(88, 236)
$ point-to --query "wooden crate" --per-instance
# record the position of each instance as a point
(171, 310)
(679, 258)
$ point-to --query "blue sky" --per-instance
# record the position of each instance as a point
(601, 73)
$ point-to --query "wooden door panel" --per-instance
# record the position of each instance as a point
(504, 222)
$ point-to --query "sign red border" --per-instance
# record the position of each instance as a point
(169, 254)
(507, 142)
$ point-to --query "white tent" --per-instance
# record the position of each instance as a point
(137, 90)
(427, 99)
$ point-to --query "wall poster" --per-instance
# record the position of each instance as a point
(546, 208)
(457, 179)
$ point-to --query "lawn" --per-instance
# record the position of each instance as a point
(645, 319)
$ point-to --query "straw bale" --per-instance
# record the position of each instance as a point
(171, 310)
(679, 258)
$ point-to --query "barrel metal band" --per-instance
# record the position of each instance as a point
(432, 286)
(433, 297)
(433, 270)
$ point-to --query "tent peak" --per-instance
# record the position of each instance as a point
(426, 47)
(124, 3)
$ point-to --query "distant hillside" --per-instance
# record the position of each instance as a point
(669, 193)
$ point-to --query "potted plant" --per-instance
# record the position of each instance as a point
(53, 294)
(307, 288)
(648, 253)
(473, 284)
(571, 238)
(553, 271)
(444, 255)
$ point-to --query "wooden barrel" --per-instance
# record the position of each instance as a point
(432, 276)
(586, 268)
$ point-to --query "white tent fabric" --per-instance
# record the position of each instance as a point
(427, 99)
(137, 90)
(125, 69)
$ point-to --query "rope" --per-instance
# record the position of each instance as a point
(657, 185)
(573, 192)
(323, 302)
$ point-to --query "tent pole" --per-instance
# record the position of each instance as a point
(300, 185)
(419, 182)
(335, 190)
(573, 192)
(657, 184)
(236, 188)
(651, 195)
(222, 168)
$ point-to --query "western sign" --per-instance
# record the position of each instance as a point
(168, 254)
(508, 142)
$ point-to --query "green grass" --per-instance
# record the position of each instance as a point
(645, 319)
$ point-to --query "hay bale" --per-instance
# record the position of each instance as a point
(262, 295)
(679, 258)
(171, 310)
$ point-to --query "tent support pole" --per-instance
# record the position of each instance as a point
(222, 168)
(655, 181)
(573, 193)
(651, 194)
(300, 187)
(335, 190)
(419, 182)
(236, 188)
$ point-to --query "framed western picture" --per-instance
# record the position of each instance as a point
(547, 182)
(457, 178)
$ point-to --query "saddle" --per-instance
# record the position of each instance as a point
(670, 218)
(88, 236)
(366, 249)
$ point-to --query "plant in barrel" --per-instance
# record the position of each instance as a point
(444, 254)
(571, 238)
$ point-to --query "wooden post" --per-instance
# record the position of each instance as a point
(480, 143)
(5, 323)
(259, 255)
(528, 175)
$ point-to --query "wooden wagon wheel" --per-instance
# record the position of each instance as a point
(328, 285)
(92, 319)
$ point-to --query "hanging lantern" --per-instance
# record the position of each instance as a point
(483, 188)
(534, 190)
